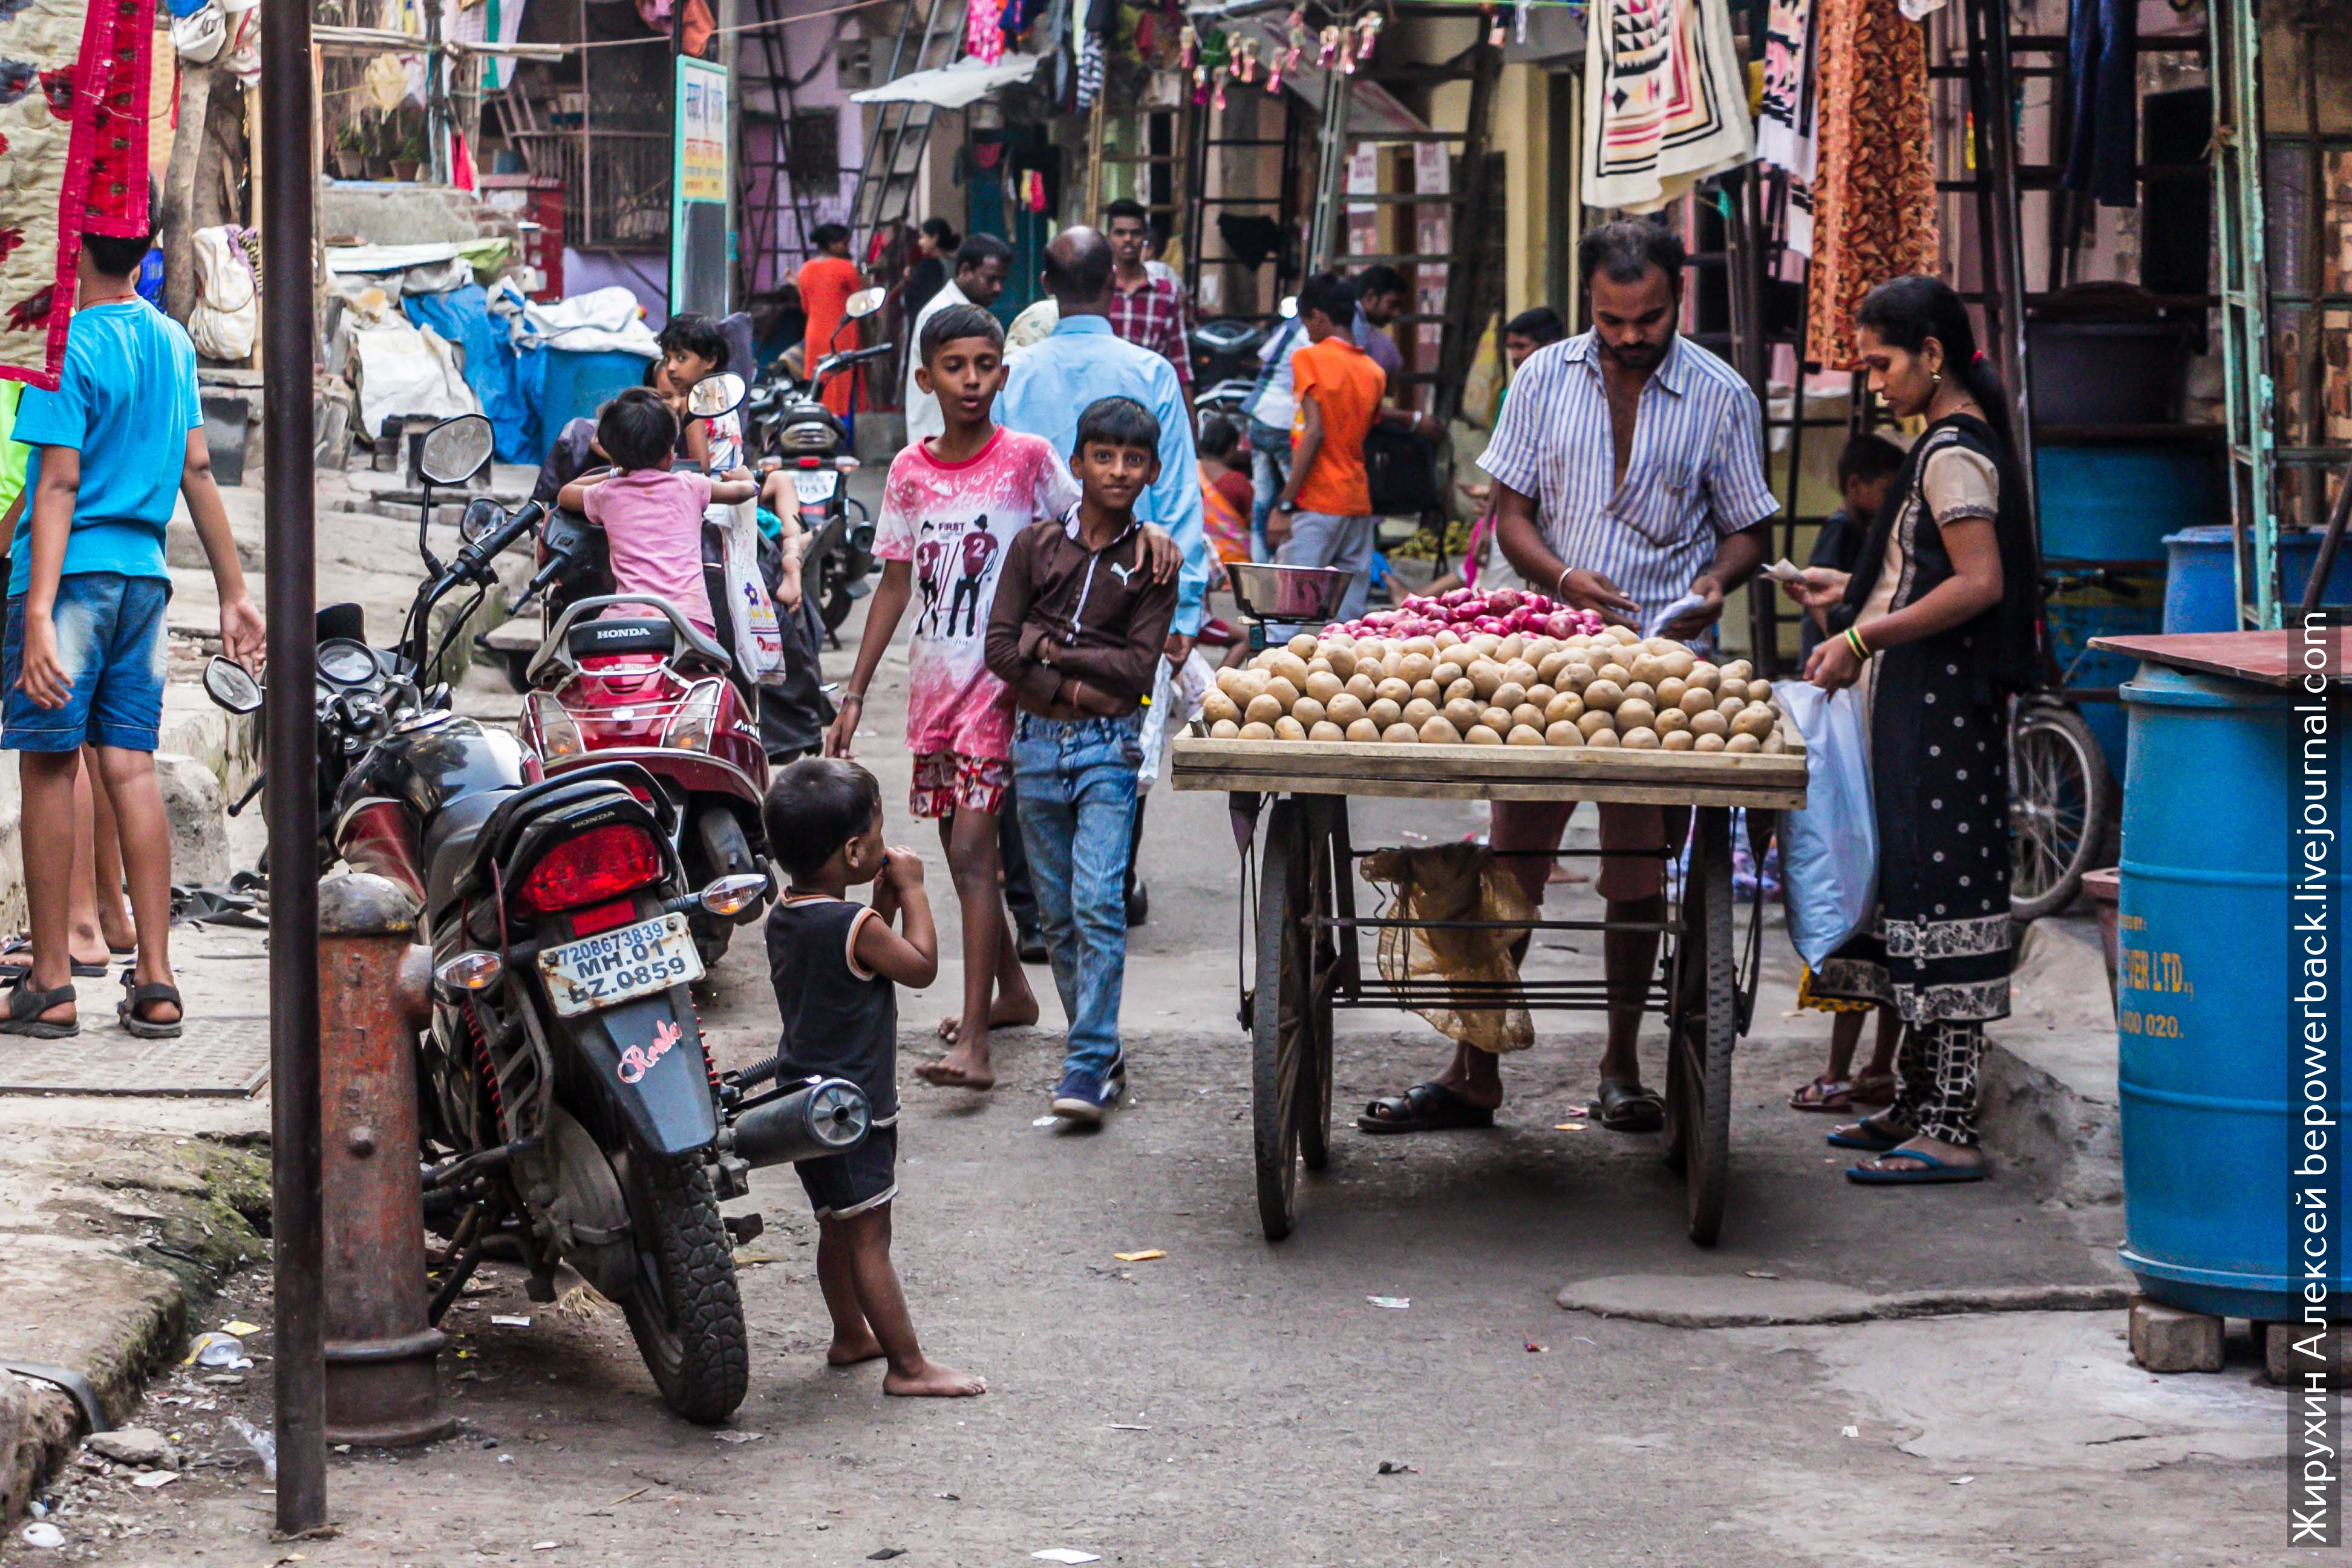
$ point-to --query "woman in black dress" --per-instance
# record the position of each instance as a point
(1938, 623)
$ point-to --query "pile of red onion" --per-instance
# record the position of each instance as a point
(1466, 612)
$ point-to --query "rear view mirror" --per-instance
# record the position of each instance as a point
(231, 686)
(1290, 307)
(864, 302)
(455, 450)
(481, 515)
(715, 394)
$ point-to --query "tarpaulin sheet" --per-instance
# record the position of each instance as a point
(463, 317)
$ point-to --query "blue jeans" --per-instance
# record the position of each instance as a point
(1270, 471)
(1074, 784)
(111, 644)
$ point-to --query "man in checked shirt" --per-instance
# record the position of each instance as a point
(1146, 309)
(1629, 478)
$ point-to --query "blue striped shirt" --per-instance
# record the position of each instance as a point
(1696, 472)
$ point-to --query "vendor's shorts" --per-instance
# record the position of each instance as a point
(1539, 823)
(842, 1186)
(111, 644)
(945, 781)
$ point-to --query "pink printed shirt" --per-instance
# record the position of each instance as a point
(653, 530)
(954, 521)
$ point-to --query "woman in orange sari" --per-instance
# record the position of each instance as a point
(826, 281)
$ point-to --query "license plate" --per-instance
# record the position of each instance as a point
(814, 485)
(617, 966)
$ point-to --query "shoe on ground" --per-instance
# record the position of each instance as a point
(1138, 904)
(1085, 1097)
(1031, 946)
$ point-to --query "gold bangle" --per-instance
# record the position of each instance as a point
(1853, 640)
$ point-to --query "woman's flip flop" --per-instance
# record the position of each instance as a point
(1424, 1108)
(1929, 1172)
(1860, 1136)
(1628, 1108)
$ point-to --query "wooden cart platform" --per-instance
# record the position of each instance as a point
(1309, 940)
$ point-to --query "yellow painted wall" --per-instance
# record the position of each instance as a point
(1522, 118)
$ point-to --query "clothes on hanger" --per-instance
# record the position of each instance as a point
(1784, 126)
(1875, 182)
(1665, 101)
(2103, 83)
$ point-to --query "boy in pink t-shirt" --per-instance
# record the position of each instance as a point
(952, 505)
(651, 517)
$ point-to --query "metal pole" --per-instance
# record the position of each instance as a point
(297, 1229)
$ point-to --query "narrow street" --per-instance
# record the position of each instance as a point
(1233, 1403)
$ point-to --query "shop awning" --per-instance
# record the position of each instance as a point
(952, 87)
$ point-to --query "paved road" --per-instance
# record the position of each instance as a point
(1236, 1403)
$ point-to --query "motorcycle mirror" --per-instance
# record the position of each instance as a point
(455, 450)
(864, 302)
(231, 686)
(732, 895)
(715, 394)
(482, 514)
(1290, 307)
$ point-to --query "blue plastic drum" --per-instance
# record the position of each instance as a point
(2210, 1064)
(2201, 592)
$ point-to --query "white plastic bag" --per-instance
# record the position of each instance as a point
(754, 613)
(228, 302)
(1829, 851)
(1176, 697)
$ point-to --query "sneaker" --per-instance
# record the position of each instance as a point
(1085, 1097)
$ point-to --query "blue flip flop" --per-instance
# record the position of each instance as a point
(1866, 1143)
(1930, 1171)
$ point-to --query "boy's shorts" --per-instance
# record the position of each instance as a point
(945, 781)
(111, 643)
(841, 1186)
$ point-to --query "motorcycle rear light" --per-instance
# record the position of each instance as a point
(470, 972)
(600, 865)
(696, 722)
(559, 734)
(733, 895)
(603, 918)
(811, 462)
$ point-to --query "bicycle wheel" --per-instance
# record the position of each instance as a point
(2058, 794)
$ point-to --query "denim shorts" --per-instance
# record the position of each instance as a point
(111, 642)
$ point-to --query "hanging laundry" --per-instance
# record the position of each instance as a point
(1090, 70)
(1784, 126)
(984, 32)
(1875, 185)
(1666, 102)
(2103, 62)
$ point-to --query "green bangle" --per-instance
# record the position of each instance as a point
(1853, 640)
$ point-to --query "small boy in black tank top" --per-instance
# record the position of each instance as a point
(836, 965)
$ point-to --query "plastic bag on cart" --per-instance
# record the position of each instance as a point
(1829, 851)
(1456, 882)
(1176, 696)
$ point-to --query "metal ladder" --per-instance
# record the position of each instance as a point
(894, 148)
(761, 233)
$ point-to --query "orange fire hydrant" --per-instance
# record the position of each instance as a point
(382, 1388)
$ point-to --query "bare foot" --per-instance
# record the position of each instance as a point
(1003, 1014)
(929, 1380)
(966, 1067)
(850, 1352)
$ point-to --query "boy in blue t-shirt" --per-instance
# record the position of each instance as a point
(84, 655)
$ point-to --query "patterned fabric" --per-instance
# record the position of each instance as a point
(983, 35)
(945, 781)
(1153, 317)
(1228, 525)
(1697, 471)
(1937, 1068)
(1665, 103)
(1875, 189)
(74, 83)
(1090, 70)
(1784, 126)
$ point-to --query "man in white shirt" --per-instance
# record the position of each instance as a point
(981, 263)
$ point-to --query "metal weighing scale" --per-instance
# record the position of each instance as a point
(1277, 602)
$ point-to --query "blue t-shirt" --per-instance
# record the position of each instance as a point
(126, 401)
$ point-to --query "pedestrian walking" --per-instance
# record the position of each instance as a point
(1937, 624)
(1629, 474)
(951, 508)
(1146, 309)
(84, 653)
(826, 281)
(1269, 412)
(935, 245)
(1324, 515)
(836, 966)
(1077, 633)
(980, 271)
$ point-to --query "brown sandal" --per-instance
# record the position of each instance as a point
(1824, 1093)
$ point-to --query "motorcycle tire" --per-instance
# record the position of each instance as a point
(686, 1313)
(834, 599)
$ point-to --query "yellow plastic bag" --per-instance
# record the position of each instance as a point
(1455, 882)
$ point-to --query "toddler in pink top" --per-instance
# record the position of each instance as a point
(651, 517)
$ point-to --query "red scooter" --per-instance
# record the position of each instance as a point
(647, 686)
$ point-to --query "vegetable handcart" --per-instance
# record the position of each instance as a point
(1290, 804)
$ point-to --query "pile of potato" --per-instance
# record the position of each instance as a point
(1610, 688)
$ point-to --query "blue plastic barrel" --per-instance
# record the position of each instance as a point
(2201, 593)
(2082, 608)
(2117, 503)
(2209, 1064)
(578, 385)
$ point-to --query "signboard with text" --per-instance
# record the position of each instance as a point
(701, 177)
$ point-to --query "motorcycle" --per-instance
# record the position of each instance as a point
(787, 425)
(1225, 364)
(569, 1111)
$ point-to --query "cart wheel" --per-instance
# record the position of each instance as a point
(1705, 1025)
(1324, 866)
(1282, 1069)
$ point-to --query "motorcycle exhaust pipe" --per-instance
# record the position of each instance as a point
(823, 1116)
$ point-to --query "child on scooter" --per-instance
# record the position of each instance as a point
(836, 965)
(652, 518)
(693, 348)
